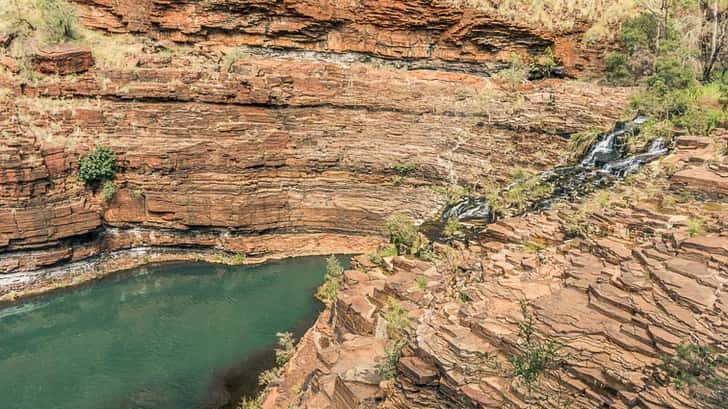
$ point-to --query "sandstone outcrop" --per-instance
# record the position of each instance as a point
(438, 34)
(262, 150)
(329, 116)
(62, 59)
(615, 302)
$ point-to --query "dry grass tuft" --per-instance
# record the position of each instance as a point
(601, 16)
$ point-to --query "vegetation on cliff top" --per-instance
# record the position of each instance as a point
(598, 17)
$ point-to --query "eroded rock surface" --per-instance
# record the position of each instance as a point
(436, 34)
(273, 147)
(616, 299)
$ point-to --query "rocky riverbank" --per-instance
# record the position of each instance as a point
(618, 281)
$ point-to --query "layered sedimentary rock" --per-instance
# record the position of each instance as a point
(275, 146)
(436, 33)
(616, 299)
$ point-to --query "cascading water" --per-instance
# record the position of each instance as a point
(606, 161)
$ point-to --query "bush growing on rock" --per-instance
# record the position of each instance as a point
(516, 73)
(97, 165)
(525, 188)
(396, 317)
(617, 70)
(402, 234)
(543, 66)
(580, 142)
(452, 228)
(60, 20)
(700, 370)
(284, 352)
(330, 288)
(109, 190)
(404, 169)
(535, 356)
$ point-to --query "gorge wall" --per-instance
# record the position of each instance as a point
(291, 127)
(279, 149)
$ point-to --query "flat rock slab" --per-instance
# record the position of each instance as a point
(419, 371)
(62, 59)
(702, 180)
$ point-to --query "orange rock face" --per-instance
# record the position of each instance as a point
(616, 300)
(274, 147)
(62, 59)
(438, 33)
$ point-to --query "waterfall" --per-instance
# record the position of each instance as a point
(602, 163)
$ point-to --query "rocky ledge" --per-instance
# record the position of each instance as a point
(616, 282)
(243, 155)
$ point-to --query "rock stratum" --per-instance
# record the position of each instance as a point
(615, 300)
(289, 144)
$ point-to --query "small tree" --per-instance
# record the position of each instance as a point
(535, 356)
(97, 165)
(329, 290)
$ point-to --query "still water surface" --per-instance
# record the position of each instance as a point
(153, 338)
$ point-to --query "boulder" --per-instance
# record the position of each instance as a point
(62, 59)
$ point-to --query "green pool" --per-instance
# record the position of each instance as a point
(167, 336)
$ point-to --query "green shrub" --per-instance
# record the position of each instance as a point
(237, 259)
(672, 73)
(286, 348)
(516, 73)
(580, 142)
(650, 131)
(329, 290)
(525, 188)
(402, 234)
(639, 32)
(534, 246)
(109, 190)
(544, 64)
(284, 352)
(269, 377)
(421, 283)
(250, 403)
(378, 256)
(394, 352)
(617, 70)
(97, 165)
(396, 317)
(699, 370)
(535, 356)
(404, 169)
(695, 227)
